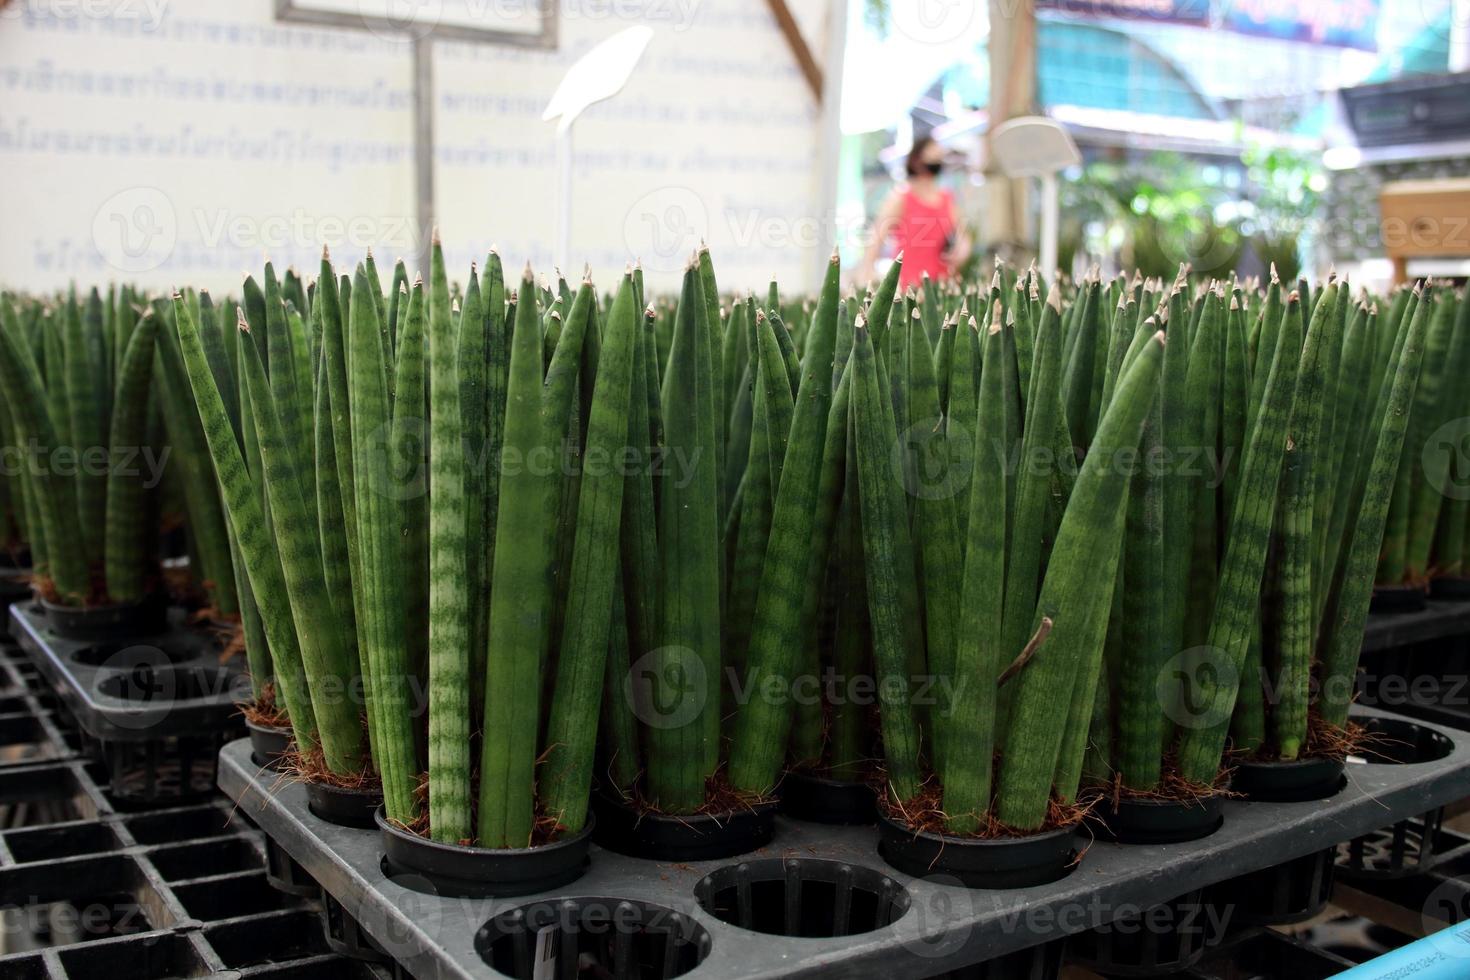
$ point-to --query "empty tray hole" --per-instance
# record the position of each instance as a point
(23, 739)
(37, 797)
(67, 840)
(69, 902)
(807, 899)
(231, 898)
(15, 705)
(205, 859)
(149, 684)
(174, 767)
(594, 936)
(128, 656)
(257, 942)
(178, 825)
(1392, 741)
(163, 957)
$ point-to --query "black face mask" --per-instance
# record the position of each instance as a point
(932, 169)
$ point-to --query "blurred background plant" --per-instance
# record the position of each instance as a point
(1156, 212)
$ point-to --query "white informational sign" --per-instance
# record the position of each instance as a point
(170, 142)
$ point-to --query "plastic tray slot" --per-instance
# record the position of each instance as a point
(264, 940)
(205, 859)
(231, 896)
(61, 841)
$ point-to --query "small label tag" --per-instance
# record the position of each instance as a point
(545, 968)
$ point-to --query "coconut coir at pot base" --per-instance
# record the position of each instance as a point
(923, 813)
(96, 590)
(719, 797)
(264, 711)
(546, 829)
(1324, 741)
(311, 767)
(1172, 788)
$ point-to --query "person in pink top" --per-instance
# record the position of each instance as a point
(920, 218)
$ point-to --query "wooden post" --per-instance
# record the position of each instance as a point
(803, 52)
(1012, 93)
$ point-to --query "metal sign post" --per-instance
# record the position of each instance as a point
(1035, 146)
(423, 24)
(599, 74)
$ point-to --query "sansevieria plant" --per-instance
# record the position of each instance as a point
(95, 432)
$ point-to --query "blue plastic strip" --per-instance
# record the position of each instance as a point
(1442, 956)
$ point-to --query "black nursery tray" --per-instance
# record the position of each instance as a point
(927, 927)
(136, 689)
(1442, 618)
(92, 886)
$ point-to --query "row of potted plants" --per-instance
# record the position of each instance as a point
(535, 562)
(104, 474)
(1425, 538)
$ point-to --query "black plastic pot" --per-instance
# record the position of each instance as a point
(269, 744)
(1451, 589)
(114, 622)
(456, 871)
(1282, 895)
(1391, 599)
(701, 837)
(1146, 821)
(805, 796)
(1296, 781)
(286, 875)
(616, 938)
(1408, 847)
(1159, 941)
(1006, 862)
(342, 806)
